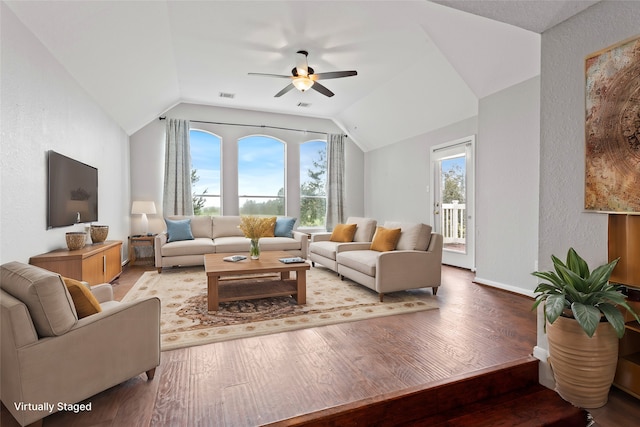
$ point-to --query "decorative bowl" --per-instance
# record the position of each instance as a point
(76, 240)
(99, 233)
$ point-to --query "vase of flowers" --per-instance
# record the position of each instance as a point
(255, 227)
(254, 249)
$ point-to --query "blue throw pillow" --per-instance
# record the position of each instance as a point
(178, 230)
(284, 227)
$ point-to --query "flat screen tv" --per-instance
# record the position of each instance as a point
(72, 195)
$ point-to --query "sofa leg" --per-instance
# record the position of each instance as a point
(341, 277)
(159, 270)
(434, 290)
(313, 264)
(381, 297)
(150, 373)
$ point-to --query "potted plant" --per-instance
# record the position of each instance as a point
(583, 324)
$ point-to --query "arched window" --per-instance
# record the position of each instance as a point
(205, 172)
(261, 176)
(313, 181)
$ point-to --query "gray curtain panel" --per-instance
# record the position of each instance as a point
(335, 180)
(177, 198)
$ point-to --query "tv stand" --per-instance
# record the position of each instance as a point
(95, 263)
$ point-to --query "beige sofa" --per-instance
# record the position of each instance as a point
(219, 234)
(50, 356)
(415, 263)
(323, 251)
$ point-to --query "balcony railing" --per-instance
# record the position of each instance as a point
(454, 226)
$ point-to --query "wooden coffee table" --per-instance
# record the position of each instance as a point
(253, 288)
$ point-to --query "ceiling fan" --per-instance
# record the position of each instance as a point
(304, 78)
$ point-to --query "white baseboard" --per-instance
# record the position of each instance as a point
(541, 353)
(545, 373)
(504, 286)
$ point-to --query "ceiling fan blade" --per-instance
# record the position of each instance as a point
(323, 90)
(270, 75)
(302, 67)
(334, 75)
(285, 90)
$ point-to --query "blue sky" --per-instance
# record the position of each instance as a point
(205, 157)
(261, 166)
(448, 164)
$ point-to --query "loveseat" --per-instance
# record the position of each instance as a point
(412, 261)
(63, 342)
(221, 234)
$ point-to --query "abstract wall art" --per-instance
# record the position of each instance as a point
(612, 170)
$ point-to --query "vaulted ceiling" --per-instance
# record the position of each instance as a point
(421, 65)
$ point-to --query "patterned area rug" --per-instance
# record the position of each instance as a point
(185, 321)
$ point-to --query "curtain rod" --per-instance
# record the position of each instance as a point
(255, 126)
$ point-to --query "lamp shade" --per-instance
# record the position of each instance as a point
(143, 207)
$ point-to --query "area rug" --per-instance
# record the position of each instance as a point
(186, 322)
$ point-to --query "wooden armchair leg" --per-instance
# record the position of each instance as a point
(150, 373)
(434, 290)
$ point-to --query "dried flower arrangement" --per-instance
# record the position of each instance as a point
(255, 227)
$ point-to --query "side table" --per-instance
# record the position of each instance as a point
(140, 241)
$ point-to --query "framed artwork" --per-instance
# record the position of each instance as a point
(612, 170)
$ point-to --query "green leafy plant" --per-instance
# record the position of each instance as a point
(573, 291)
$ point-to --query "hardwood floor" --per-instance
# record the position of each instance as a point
(265, 379)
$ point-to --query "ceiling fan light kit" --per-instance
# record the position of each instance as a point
(304, 78)
(302, 83)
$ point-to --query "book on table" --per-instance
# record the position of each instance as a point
(234, 258)
(292, 260)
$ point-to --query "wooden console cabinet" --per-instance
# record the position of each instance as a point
(624, 242)
(95, 263)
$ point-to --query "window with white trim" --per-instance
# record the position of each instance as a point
(313, 181)
(205, 172)
(261, 175)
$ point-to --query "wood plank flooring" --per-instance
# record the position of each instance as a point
(265, 379)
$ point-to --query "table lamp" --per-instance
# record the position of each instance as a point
(144, 208)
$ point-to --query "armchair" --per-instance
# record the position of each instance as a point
(323, 251)
(49, 355)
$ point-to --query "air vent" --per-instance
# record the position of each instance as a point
(227, 95)
(304, 104)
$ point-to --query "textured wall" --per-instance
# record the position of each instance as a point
(563, 221)
(43, 108)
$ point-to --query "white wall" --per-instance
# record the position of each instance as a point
(507, 129)
(397, 176)
(147, 155)
(43, 108)
(563, 221)
(507, 180)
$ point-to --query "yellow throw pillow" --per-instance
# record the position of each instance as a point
(85, 302)
(271, 227)
(343, 233)
(385, 239)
